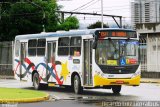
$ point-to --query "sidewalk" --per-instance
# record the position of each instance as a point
(6, 77)
(150, 80)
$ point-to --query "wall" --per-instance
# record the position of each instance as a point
(6, 58)
(150, 58)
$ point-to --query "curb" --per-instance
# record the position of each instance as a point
(25, 100)
(149, 81)
(6, 77)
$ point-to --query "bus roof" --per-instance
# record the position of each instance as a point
(65, 33)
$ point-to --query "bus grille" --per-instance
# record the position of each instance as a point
(118, 69)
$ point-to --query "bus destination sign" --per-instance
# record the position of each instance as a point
(126, 34)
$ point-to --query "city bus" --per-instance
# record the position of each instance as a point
(81, 59)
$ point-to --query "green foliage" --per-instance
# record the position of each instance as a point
(26, 18)
(69, 23)
(97, 25)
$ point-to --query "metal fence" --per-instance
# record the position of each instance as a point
(6, 49)
(150, 55)
(143, 53)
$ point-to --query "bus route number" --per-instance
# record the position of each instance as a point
(103, 34)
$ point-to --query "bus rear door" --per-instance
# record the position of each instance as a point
(23, 71)
(51, 47)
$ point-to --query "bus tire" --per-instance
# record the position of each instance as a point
(77, 85)
(36, 81)
(116, 89)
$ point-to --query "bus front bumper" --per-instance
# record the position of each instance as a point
(101, 81)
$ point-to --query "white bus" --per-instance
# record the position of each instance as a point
(97, 58)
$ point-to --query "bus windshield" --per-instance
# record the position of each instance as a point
(113, 52)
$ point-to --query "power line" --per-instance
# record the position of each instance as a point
(112, 7)
(124, 9)
(23, 14)
(92, 18)
(12, 2)
(105, 20)
(89, 5)
(66, 12)
(84, 13)
(83, 5)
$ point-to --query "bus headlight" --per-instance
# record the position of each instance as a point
(136, 74)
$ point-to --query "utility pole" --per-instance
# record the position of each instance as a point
(102, 14)
(62, 17)
(44, 21)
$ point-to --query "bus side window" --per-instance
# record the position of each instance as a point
(63, 46)
(54, 50)
(32, 47)
(75, 46)
(41, 47)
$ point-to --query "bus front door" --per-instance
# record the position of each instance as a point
(23, 71)
(87, 67)
(51, 47)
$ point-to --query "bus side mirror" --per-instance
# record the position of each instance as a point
(94, 45)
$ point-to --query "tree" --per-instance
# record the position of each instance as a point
(69, 23)
(97, 25)
(25, 18)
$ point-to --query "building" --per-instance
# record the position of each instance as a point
(149, 49)
(145, 11)
(145, 18)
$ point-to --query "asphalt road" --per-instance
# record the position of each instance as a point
(61, 97)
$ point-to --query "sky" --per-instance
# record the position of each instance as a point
(110, 7)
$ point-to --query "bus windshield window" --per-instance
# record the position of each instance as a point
(117, 52)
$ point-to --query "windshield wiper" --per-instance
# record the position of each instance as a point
(113, 44)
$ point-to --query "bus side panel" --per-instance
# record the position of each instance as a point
(38, 64)
(63, 67)
(75, 66)
(16, 70)
(63, 70)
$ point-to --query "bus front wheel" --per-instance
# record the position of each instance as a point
(77, 85)
(116, 89)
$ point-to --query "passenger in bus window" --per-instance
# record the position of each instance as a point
(76, 53)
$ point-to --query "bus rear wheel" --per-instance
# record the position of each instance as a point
(77, 85)
(116, 89)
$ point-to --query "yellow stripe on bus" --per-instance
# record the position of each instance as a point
(100, 81)
(51, 84)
